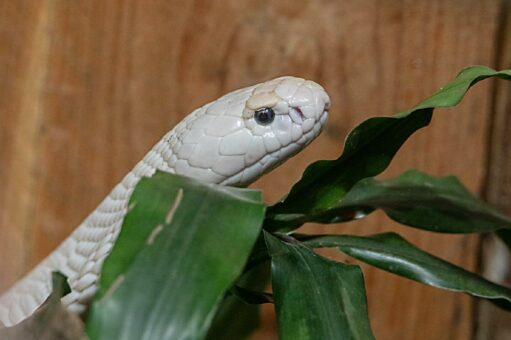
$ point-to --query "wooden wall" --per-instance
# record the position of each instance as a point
(86, 87)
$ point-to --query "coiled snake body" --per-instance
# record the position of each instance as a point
(231, 141)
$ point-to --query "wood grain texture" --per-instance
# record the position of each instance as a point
(88, 86)
(492, 322)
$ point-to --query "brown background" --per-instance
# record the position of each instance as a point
(86, 87)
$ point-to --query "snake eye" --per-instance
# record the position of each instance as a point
(264, 116)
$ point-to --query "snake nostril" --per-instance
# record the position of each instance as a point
(296, 115)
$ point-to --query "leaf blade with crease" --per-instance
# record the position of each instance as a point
(181, 247)
(316, 298)
(440, 204)
(394, 254)
(368, 150)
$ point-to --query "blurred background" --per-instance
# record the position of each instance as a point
(87, 87)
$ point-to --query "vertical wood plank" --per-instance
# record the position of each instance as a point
(492, 322)
(23, 65)
(88, 86)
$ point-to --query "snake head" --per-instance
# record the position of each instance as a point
(246, 133)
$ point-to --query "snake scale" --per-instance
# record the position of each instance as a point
(231, 141)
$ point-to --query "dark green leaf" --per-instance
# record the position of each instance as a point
(394, 254)
(255, 278)
(182, 246)
(50, 321)
(234, 320)
(368, 150)
(440, 204)
(316, 298)
(247, 318)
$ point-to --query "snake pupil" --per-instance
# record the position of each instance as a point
(264, 116)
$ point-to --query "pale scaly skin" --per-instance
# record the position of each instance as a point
(220, 142)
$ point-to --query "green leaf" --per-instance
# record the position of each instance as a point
(50, 321)
(316, 298)
(182, 246)
(368, 150)
(440, 204)
(256, 276)
(247, 317)
(234, 320)
(394, 254)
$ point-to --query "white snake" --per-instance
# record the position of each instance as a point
(231, 141)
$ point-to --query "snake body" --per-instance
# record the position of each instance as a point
(231, 141)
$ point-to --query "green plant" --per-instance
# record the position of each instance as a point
(192, 259)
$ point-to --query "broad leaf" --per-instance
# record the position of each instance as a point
(440, 204)
(50, 321)
(316, 298)
(182, 246)
(368, 150)
(394, 254)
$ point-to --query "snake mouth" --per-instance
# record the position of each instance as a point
(323, 117)
(319, 122)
